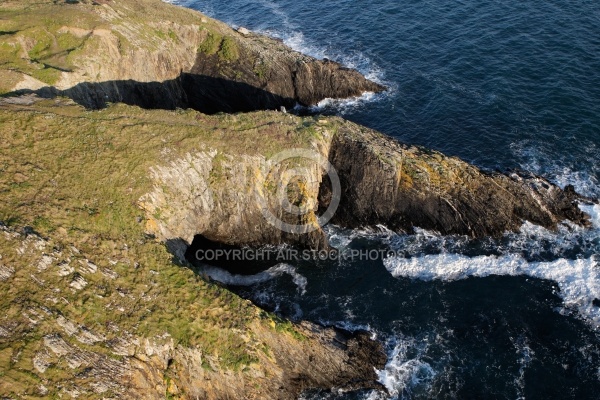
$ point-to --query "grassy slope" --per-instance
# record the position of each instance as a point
(42, 38)
(75, 177)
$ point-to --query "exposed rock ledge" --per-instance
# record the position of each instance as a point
(156, 55)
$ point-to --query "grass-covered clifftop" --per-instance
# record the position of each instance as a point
(60, 43)
(97, 207)
(95, 306)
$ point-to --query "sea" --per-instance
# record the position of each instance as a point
(500, 84)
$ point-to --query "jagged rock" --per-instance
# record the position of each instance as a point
(382, 182)
(402, 187)
(6, 272)
(243, 31)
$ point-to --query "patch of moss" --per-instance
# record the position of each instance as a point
(43, 43)
(261, 70)
(217, 172)
(9, 54)
(211, 44)
(46, 74)
(229, 50)
(68, 42)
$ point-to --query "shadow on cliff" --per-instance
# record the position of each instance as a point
(206, 94)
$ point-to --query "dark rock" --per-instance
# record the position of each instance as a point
(266, 75)
(274, 75)
(403, 187)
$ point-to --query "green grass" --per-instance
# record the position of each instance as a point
(229, 50)
(224, 46)
(75, 177)
(211, 44)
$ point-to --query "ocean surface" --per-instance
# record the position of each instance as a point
(502, 85)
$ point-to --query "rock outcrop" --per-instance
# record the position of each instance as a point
(156, 55)
(222, 194)
(382, 181)
(403, 187)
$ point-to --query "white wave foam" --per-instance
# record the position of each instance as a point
(345, 106)
(405, 370)
(340, 238)
(543, 160)
(578, 280)
(594, 212)
(296, 40)
(527, 355)
(227, 278)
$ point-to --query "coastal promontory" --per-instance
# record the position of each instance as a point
(130, 127)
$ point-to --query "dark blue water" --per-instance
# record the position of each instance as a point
(499, 84)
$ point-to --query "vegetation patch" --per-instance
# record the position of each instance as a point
(211, 44)
(229, 50)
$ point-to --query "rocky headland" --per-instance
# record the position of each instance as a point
(101, 201)
(155, 55)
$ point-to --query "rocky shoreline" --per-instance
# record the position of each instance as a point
(92, 197)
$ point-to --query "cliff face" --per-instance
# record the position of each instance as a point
(261, 74)
(84, 311)
(221, 194)
(156, 55)
(386, 182)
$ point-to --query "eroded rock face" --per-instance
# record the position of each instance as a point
(382, 182)
(222, 196)
(403, 187)
(266, 75)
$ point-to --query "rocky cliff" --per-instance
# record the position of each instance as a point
(156, 55)
(222, 193)
(403, 187)
(86, 194)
